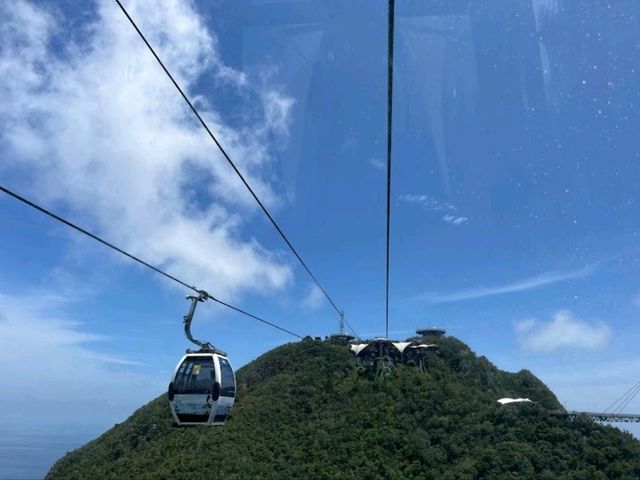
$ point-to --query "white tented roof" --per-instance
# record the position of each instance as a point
(401, 345)
(504, 401)
(358, 347)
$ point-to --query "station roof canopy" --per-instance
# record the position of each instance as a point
(396, 347)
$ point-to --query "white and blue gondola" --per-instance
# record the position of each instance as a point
(203, 386)
(202, 390)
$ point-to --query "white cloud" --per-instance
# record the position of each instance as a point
(277, 111)
(455, 220)
(430, 204)
(563, 331)
(96, 128)
(47, 358)
(427, 202)
(377, 163)
(530, 283)
(314, 298)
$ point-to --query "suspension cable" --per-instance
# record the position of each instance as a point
(351, 328)
(625, 397)
(389, 131)
(142, 262)
(628, 400)
(227, 158)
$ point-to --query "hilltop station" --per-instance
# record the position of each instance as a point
(381, 354)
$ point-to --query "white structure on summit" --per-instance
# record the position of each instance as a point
(388, 347)
(381, 353)
(506, 400)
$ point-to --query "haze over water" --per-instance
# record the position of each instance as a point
(27, 452)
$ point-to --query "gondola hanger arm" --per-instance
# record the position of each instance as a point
(188, 318)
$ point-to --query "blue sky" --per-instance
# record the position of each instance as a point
(515, 187)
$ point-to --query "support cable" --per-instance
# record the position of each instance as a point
(628, 400)
(351, 328)
(227, 158)
(615, 406)
(141, 262)
(389, 136)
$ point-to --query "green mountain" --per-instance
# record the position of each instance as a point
(303, 412)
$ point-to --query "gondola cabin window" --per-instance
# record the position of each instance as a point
(228, 380)
(195, 375)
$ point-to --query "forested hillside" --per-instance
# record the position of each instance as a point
(304, 412)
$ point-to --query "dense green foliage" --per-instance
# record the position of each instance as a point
(303, 412)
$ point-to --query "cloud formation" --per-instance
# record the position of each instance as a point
(530, 283)
(430, 204)
(96, 130)
(427, 202)
(377, 163)
(563, 331)
(455, 220)
(314, 299)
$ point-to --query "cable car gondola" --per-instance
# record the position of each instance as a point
(203, 386)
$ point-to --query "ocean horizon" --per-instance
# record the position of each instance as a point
(27, 452)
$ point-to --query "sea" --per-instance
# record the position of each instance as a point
(27, 452)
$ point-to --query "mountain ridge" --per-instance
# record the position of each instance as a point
(303, 411)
